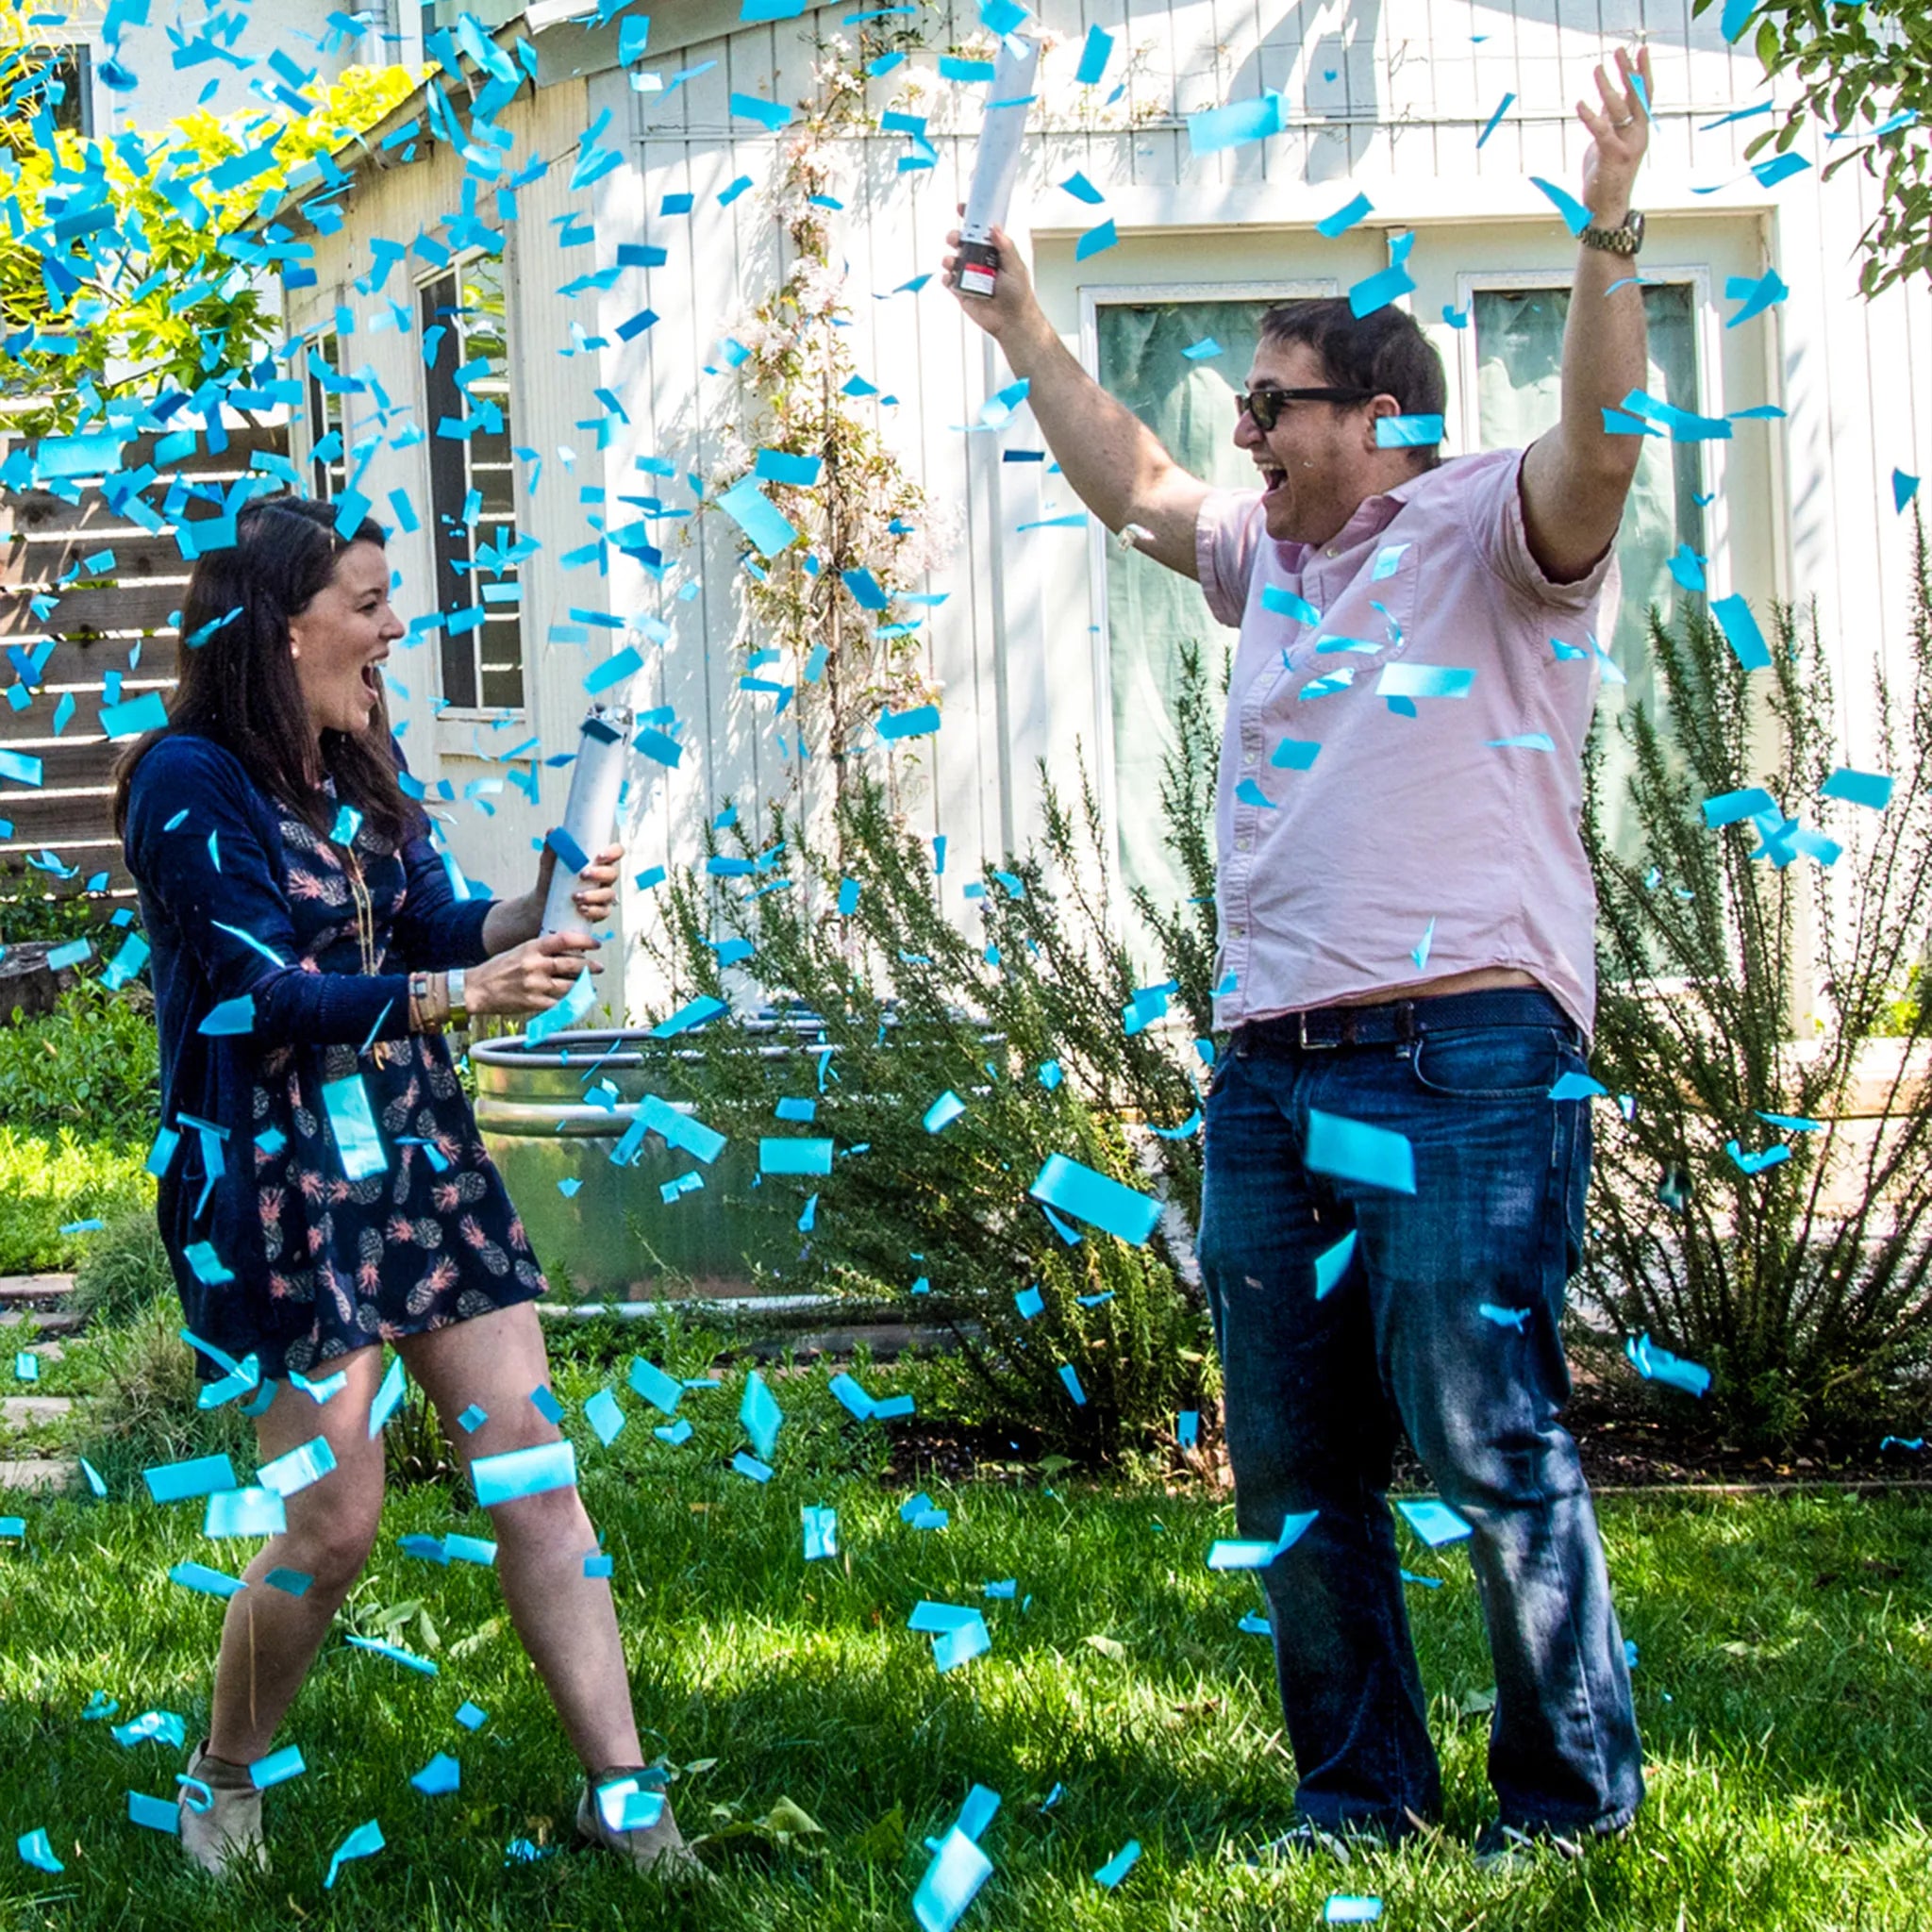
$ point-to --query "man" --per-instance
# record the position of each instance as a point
(1393, 1197)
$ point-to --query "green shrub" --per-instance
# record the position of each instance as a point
(49, 1181)
(1024, 1023)
(93, 1063)
(124, 1269)
(1802, 1280)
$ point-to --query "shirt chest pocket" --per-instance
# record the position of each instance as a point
(1370, 623)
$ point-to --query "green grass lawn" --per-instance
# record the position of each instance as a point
(1786, 1649)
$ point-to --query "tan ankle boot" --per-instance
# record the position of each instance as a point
(228, 1834)
(657, 1847)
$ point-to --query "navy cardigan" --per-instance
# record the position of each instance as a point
(205, 845)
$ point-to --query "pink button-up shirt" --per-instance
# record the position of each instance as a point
(1448, 685)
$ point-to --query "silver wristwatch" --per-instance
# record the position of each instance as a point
(1626, 240)
(458, 998)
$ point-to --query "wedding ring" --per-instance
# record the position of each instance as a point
(1627, 122)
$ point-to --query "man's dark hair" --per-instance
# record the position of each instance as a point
(1384, 353)
(238, 684)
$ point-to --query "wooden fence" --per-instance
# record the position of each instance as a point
(109, 615)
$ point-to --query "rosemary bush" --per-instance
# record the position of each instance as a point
(1027, 1022)
(1792, 1262)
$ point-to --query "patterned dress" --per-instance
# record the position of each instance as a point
(434, 1239)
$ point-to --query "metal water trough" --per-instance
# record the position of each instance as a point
(616, 1238)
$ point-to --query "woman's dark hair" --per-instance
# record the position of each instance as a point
(1382, 352)
(238, 684)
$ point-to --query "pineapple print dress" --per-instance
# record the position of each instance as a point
(278, 1252)
(433, 1239)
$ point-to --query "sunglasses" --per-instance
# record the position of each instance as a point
(1264, 405)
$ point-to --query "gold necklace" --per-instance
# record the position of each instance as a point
(366, 911)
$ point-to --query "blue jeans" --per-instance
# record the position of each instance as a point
(1317, 1390)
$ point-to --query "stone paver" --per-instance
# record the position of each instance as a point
(24, 1411)
(37, 1472)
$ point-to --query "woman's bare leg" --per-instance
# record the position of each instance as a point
(270, 1637)
(566, 1620)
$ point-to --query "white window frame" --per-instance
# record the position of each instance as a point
(1712, 455)
(520, 509)
(1093, 297)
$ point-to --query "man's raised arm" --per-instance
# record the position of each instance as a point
(1576, 477)
(1116, 464)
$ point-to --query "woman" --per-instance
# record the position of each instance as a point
(324, 1189)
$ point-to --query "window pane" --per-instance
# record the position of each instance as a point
(1519, 338)
(326, 454)
(1150, 609)
(473, 483)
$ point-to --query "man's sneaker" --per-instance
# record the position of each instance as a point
(1307, 1839)
(1500, 1847)
(616, 1813)
(226, 1832)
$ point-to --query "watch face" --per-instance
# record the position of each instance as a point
(1634, 221)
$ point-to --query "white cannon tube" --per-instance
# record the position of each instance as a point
(591, 816)
(996, 165)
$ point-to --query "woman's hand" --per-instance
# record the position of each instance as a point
(532, 977)
(512, 922)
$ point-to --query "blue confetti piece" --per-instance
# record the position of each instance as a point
(1079, 1192)
(1408, 432)
(1517, 1319)
(1656, 1364)
(35, 1851)
(1274, 598)
(198, 1576)
(1095, 241)
(650, 1382)
(1904, 488)
(1495, 120)
(793, 1155)
(1331, 1264)
(613, 670)
(943, 1111)
(1576, 1087)
(133, 716)
(768, 114)
(1119, 1865)
(1071, 1376)
(1575, 216)
(693, 1014)
(441, 1776)
(782, 466)
(759, 1415)
(1215, 129)
(958, 1871)
(1345, 217)
(1434, 1521)
(751, 1467)
(395, 1654)
(277, 1768)
(1357, 1151)
(1376, 291)
(1408, 680)
(1873, 790)
(755, 513)
(364, 1841)
(1249, 792)
(1095, 51)
(353, 1121)
(227, 1019)
(819, 1527)
(1739, 628)
(915, 723)
(155, 1814)
(181, 1482)
(523, 1473)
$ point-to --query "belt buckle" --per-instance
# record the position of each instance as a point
(1302, 1041)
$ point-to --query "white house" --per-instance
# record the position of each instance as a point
(1052, 640)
